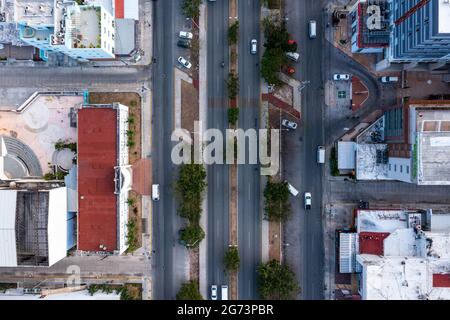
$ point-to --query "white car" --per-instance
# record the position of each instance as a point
(253, 46)
(307, 200)
(186, 35)
(184, 63)
(289, 124)
(213, 292)
(342, 76)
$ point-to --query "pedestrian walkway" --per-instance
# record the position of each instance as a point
(280, 104)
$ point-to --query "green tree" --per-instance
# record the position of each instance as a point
(233, 33)
(191, 181)
(233, 85)
(334, 162)
(192, 235)
(191, 8)
(189, 291)
(276, 281)
(272, 60)
(276, 195)
(231, 259)
(233, 115)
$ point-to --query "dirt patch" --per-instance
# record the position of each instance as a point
(194, 264)
(275, 240)
(189, 106)
(133, 101)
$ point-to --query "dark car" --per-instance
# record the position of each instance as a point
(184, 43)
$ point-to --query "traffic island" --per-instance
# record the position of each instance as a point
(233, 117)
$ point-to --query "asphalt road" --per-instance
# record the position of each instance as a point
(249, 220)
(303, 233)
(218, 175)
(169, 258)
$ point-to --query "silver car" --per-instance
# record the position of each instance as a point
(341, 76)
(307, 200)
(184, 63)
(289, 124)
(213, 292)
(185, 35)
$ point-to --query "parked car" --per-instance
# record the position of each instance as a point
(341, 76)
(186, 35)
(294, 56)
(307, 200)
(213, 292)
(254, 46)
(292, 189)
(184, 43)
(184, 63)
(224, 293)
(389, 79)
(289, 124)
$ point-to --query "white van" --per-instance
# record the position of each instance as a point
(291, 188)
(312, 29)
(293, 56)
(224, 294)
(155, 192)
(320, 154)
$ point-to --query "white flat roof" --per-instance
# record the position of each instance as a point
(8, 253)
(444, 17)
(346, 155)
(381, 220)
(400, 278)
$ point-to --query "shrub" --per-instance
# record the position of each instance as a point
(233, 115)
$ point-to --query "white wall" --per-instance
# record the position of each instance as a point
(8, 253)
(57, 225)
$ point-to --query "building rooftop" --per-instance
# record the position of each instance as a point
(33, 227)
(97, 157)
(401, 278)
(387, 220)
(370, 33)
(433, 148)
(444, 16)
(34, 12)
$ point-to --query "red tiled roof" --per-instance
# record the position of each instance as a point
(97, 156)
(441, 280)
(119, 9)
(372, 242)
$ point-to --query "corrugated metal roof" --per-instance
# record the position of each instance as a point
(347, 252)
(8, 253)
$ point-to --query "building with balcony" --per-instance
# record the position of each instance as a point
(420, 35)
(83, 32)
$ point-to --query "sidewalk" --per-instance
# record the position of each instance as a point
(203, 117)
(280, 104)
